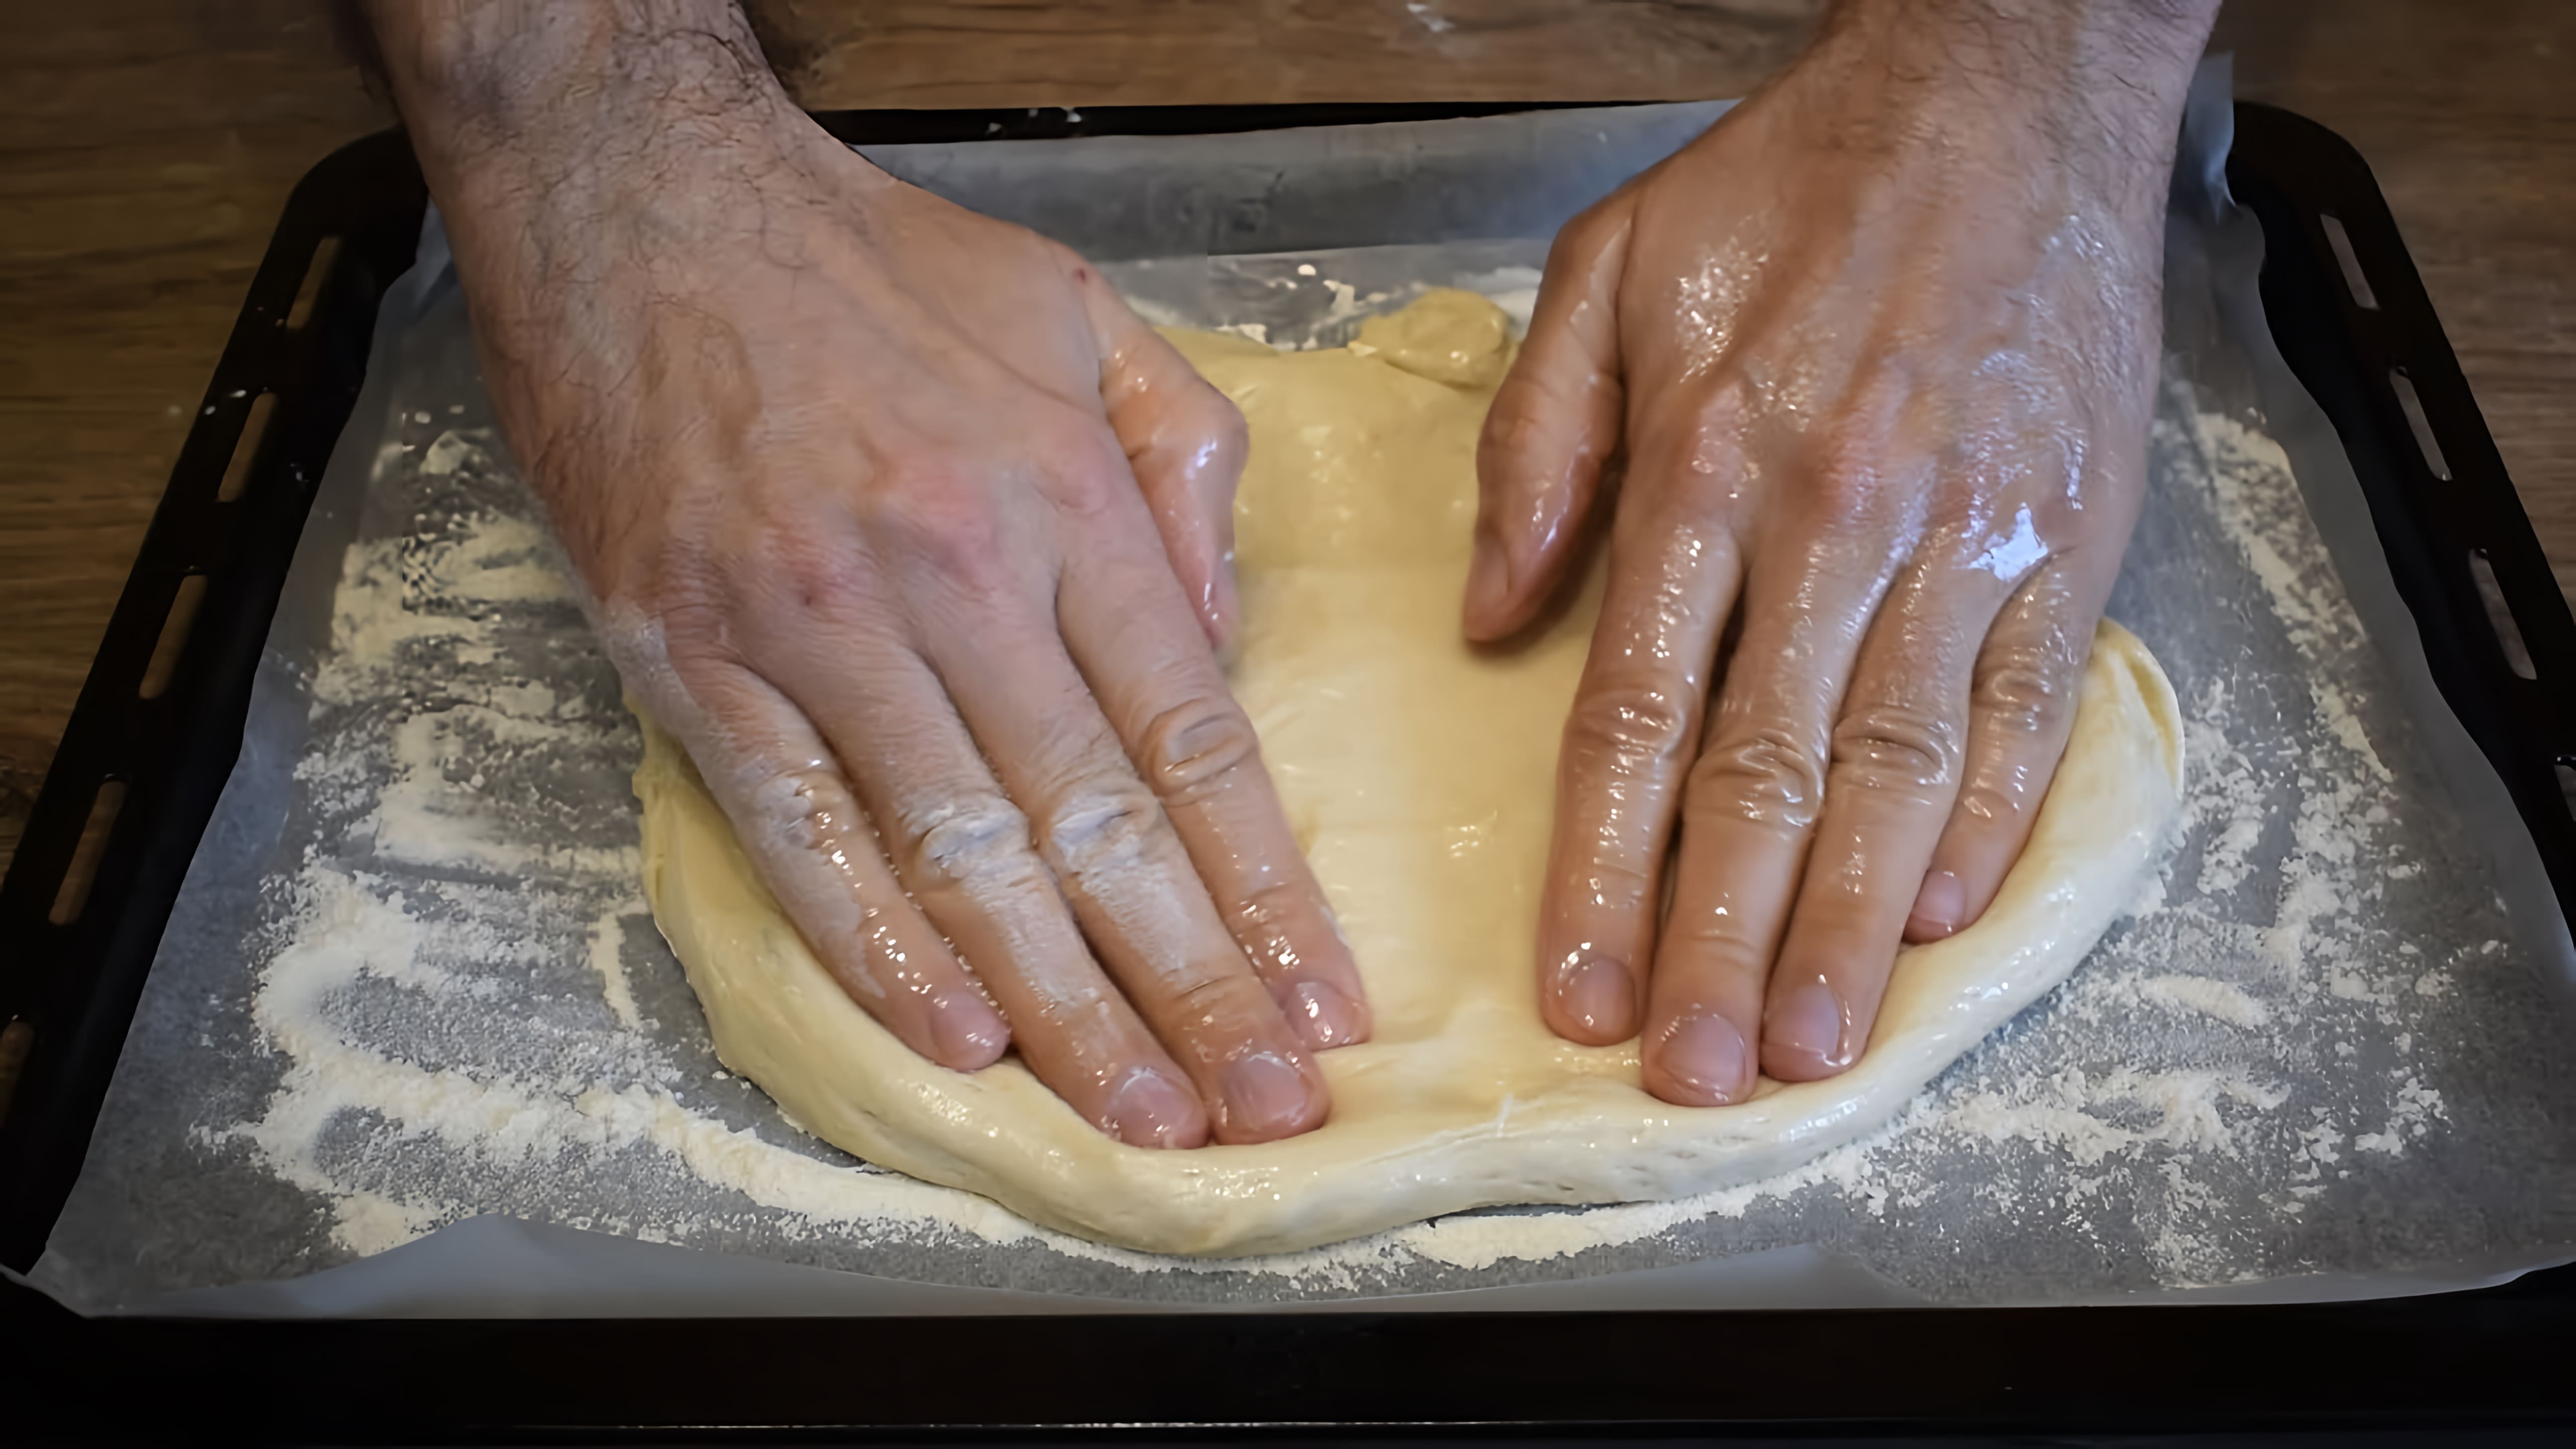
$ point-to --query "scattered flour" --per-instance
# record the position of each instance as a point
(468, 1022)
(2067, 1111)
(2228, 1003)
(607, 948)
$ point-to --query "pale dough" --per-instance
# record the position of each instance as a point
(1419, 773)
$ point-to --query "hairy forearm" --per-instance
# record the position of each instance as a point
(592, 159)
(2094, 86)
(2037, 49)
(511, 93)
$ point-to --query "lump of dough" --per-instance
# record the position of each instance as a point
(1447, 336)
(1419, 772)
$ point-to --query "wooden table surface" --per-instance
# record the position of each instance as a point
(149, 145)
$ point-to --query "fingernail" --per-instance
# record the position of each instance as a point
(1489, 577)
(1264, 1092)
(1597, 995)
(1327, 1016)
(1149, 1109)
(1704, 1055)
(966, 1032)
(1807, 1026)
(1938, 907)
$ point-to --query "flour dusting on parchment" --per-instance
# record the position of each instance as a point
(473, 1013)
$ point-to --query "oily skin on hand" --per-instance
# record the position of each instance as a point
(1875, 358)
(916, 538)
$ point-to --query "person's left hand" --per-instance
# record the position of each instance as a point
(1879, 351)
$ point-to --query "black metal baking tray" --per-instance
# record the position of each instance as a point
(2492, 1359)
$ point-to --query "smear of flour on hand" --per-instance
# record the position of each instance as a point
(464, 1030)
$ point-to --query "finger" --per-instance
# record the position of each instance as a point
(815, 848)
(1751, 804)
(2021, 712)
(1187, 739)
(1897, 745)
(1109, 848)
(1627, 749)
(1552, 425)
(963, 852)
(1185, 443)
(1130, 883)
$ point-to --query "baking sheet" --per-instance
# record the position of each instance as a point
(410, 990)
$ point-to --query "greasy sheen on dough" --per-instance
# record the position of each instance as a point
(1419, 774)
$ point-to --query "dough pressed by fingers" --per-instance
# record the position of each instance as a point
(1419, 774)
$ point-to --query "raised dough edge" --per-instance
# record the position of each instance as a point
(780, 1019)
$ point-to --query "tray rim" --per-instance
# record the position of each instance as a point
(2464, 1359)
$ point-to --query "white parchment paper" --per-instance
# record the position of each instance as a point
(412, 1045)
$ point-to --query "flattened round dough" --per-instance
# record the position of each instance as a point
(1419, 773)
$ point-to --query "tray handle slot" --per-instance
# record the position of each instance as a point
(2508, 633)
(2350, 315)
(246, 448)
(157, 727)
(71, 895)
(175, 628)
(325, 252)
(2355, 281)
(2422, 427)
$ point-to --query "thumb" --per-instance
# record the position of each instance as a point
(1185, 443)
(1554, 422)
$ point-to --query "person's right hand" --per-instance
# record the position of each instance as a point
(917, 539)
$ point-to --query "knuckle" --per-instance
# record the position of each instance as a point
(1704, 425)
(2022, 688)
(939, 518)
(810, 574)
(1100, 830)
(1192, 749)
(1857, 465)
(1080, 469)
(1552, 416)
(1262, 918)
(1074, 1009)
(1222, 423)
(1213, 1002)
(1588, 231)
(1616, 877)
(1768, 775)
(697, 633)
(1986, 805)
(809, 809)
(1847, 484)
(1713, 943)
(1724, 403)
(1631, 726)
(979, 844)
(1085, 486)
(1895, 749)
(1516, 424)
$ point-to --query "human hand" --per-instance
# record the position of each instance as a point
(1879, 352)
(918, 540)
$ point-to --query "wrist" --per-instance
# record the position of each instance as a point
(502, 95)
(2093, 87)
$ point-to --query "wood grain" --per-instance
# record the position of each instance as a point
(2467, 115)
(1174, 52)
(149, 145)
